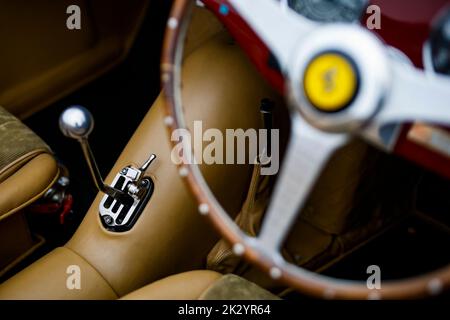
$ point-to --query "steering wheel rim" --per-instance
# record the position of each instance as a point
(250, 248)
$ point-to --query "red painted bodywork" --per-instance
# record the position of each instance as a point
(405, 25)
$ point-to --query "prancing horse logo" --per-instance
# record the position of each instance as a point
(329, 78)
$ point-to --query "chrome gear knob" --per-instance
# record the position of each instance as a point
(76, 122)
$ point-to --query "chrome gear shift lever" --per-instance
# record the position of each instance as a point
(125, 200)
(76, 122)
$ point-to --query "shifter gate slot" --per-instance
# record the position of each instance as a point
(120, 217)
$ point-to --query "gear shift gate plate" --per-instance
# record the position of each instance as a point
(120, 217)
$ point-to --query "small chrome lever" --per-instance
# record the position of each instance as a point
(136, 176)
(147, 163)
(76, 122)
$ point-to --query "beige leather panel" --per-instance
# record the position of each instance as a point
(183, 286)
(18, 163)
(15, 240)
(27, 184)
(47, 279)
(170, 236)
(42, 60)
(202, 27)
(17, 143)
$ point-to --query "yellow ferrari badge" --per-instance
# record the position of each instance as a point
(330, 82)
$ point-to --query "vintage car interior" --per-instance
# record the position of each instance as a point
(97, 202)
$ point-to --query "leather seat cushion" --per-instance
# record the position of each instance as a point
(55, 271)
(201, 285)
(183, 286)
(17, 142)
(27, 167)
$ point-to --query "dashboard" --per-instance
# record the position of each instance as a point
(329, 10)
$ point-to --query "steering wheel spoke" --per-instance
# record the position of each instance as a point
(416, 96)
(270, 21)
(308, 151)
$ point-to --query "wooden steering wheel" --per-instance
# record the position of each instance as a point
(374, 90)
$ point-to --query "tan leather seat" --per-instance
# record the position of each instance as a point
(191, 285)
(47, 279)
(27, 170)
(201, 285)
(183, 286)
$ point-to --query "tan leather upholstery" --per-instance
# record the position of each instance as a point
(170, 236)
(16, 241)
(201, 285)
(47, 279)
(202, 27)
(27, 170)
(183, 286)
(27, 184)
